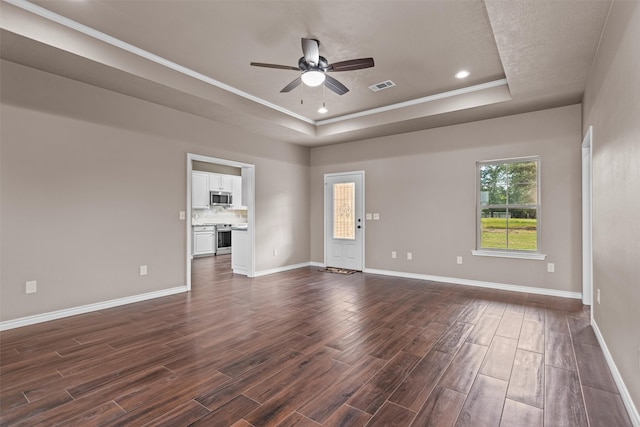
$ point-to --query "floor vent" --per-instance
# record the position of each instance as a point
(382, 85)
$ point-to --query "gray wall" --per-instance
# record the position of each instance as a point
(216, 168)
(612, 106)
(92, 183)
(423, 186)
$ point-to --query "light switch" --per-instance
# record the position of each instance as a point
(376, 216)
(183, 215)
(31, 287)
(368, 217)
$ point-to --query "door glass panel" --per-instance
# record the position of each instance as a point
(344, 204)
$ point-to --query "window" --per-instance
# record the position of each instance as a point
(508, 215)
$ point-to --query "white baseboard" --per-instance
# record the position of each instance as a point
(281, 269)
(73, 311)
(478, 283)
(39, 318)
(622, 388)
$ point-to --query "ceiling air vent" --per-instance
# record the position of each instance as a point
(382, 85)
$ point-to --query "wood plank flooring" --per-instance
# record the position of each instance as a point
(310, 348)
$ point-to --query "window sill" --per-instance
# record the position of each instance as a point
(518, 255)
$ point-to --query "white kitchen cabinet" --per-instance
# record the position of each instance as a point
(240, 251)
(237, 191)
(199, 190)
(218, 182)
(204, 240)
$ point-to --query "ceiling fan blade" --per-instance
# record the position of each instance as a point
(294, 84)
(352, 64)
(311, 51)
(335, 85)
(281, 67)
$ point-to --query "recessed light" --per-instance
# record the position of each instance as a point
(462, 74)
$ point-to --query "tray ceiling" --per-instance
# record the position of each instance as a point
(194, 56)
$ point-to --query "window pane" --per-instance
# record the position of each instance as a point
(521, 172)
(493, 229)
(522, 229)
(523, 194)
(522, 183)
(493, 184)
(344, 202)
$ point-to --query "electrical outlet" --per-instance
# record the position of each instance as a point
(551, 267)
(376, 216)
(368, 216)
(459, 260)
(275, 252)
(31, 287)
(393, 254)
(409, 256)
(598, 295)
(143, 270)
(183, 215)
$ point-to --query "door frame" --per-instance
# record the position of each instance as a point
(587, 220)
(326, 220)
(248, 187)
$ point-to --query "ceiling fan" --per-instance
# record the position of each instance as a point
(314, 68)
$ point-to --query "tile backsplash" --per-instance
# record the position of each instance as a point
(218, 215)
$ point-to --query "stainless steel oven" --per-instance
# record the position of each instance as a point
(223, 239)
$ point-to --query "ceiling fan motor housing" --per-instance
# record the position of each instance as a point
(322, 65)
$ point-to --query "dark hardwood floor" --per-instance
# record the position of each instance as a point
(310, 348)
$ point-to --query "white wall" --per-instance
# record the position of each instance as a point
(612, 107)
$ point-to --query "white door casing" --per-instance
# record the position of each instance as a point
(587, 251)
(248, 196)
(344, 220)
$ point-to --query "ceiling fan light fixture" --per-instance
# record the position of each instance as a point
(313, 78)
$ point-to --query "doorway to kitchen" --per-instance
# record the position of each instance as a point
(248, 199)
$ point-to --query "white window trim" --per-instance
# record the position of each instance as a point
(506, 253)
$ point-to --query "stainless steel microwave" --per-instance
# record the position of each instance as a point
(221, 198)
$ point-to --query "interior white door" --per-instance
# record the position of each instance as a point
(344, 220)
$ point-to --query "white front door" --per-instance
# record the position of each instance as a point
(344, 220)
